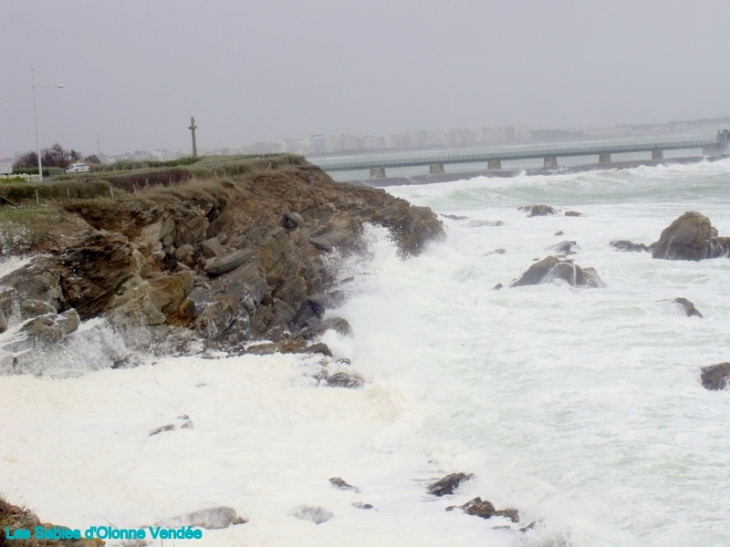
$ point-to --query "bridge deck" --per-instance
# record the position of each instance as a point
(517, 155)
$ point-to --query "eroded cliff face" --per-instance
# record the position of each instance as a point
(222, 261)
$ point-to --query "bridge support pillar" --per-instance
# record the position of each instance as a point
(657, 154)
(494, 164)
(436, 168)
(604, 157)
(550, 161)
(377, 172)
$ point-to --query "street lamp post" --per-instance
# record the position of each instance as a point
(35, 118)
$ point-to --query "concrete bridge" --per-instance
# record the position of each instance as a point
(494, 160)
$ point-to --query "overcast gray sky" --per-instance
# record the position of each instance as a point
(136, 70)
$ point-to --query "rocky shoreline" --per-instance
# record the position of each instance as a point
(219, 263)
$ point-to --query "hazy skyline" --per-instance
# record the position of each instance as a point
(135, 71)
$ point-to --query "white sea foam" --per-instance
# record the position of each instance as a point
(580, 407)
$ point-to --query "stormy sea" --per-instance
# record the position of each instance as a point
(581, 408)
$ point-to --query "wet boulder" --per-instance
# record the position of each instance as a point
(340, 484)
(448, 484)
(690, 237)
(716, 377)
(565, 247)
(181, 422)
(485, 509)
(479, 508)
(223, 264)
(340, 379)
(315, 514)
(688, 307)
(538, 210)
(550, 268)
(628, 246)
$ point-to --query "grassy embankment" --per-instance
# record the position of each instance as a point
(29, 210)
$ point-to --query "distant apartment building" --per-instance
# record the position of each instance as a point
(334, 143)
(351, 142)
(417, 138)
(462, 137)
(374, 143)
(397, 140)
(506, 134)
(523, 133)
(266, 148)
(316, 144)
(434, 137)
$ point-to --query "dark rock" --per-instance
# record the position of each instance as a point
(448, 484)
(454, 217)
(316, 514)
(292, 221)
(689, 307)
(340, 484)
(558, 233)
(497, 287)
(318, 304)
(314, 327)
(162, 429)
(690, 237)
(338, 324)
(716, 377)
(361, 505)
(511, 514)
(628, 246)
(321, 243)
(479, 508)
(565, 247)
(573, 214)
(94, 270)
(551, 267)
(215, 518)
(319, 348)
(3, 322)
(182, 422)
(224, 264)
(496, 252)
(538, 210)
(340, 379)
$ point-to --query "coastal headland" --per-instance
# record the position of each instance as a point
(222, 254)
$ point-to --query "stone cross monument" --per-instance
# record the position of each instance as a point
(192, 128)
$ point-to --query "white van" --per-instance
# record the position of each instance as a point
(78, 168)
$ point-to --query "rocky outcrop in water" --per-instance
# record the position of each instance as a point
(485, 509)
(690, 237)
(226, 261)
(716, 377)
(688, 307)
(627, 246)
(551, 268)
(448, 484)
(538, 210)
